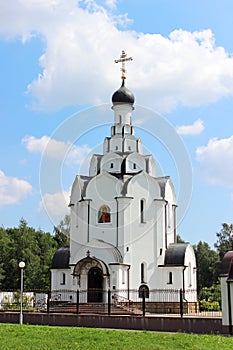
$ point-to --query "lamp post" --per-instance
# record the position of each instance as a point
(21, 266)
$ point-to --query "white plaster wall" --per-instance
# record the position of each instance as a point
(56, 279)
(116, 144)
(191, 269)
(177, 277)
(171, 201)
(224, 296)
(102, 190)
(122, 113)
(225, 302)
(142, 240)
(129, 144)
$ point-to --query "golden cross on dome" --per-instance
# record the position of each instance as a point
(123, 58)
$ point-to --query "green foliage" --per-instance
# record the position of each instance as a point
(15, 303)
(225, 240)
(25, 337)
(209, 305)
(208, 264)
(210, 298)
(35, 248)
(62, 232)
(179, 239)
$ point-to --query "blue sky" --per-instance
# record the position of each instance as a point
(57, 78)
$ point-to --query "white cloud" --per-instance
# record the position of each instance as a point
(12, 189)
(196, 128)
(56, 149)
(81, 44)
(216, 161)
(56, 205)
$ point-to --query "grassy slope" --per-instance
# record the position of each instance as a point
(43, 337)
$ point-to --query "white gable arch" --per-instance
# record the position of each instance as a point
(134, 163)
(111, 162)
(76, 190)
(144, 186)
(103, 187)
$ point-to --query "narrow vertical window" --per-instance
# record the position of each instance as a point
(143, 272)
(123, 277)
(170, 278)
(142, 210)
(63, 278)
(111, 165)
(134, 166)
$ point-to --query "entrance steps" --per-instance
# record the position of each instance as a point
(102, 308)
(93, 308)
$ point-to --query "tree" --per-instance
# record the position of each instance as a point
(62, 232)
(179, 239)
(224, 240)
(208, 264)
(35, 248)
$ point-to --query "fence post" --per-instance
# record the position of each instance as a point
(48, 301)
(143, 304)
(109, 302)
(181, 303)
(77, 302)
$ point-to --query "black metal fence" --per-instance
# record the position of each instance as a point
(112, 302)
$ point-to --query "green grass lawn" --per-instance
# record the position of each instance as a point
(43, 337)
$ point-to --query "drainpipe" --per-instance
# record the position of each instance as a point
(183, 278)
(184, 285)
(128, 279)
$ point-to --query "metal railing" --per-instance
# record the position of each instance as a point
(113, 302)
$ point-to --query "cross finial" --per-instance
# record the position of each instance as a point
(88, 253)
(123, 58)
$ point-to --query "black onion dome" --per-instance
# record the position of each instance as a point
(61, 259)
(123, 95)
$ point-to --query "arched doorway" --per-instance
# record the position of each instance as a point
(95, 285)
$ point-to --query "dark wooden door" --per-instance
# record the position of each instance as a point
(95, 285)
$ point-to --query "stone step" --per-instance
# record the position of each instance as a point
(91, 308)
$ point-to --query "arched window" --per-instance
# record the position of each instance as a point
(142, 211)
(143, 272)
(104, 214)
(111, 165)
(63, 278)
(170, 278)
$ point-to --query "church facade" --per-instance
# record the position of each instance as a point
(123, 221)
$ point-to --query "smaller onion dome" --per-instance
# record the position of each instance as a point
(123, 95)
(61, 259)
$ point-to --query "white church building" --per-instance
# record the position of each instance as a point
(123, 221)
